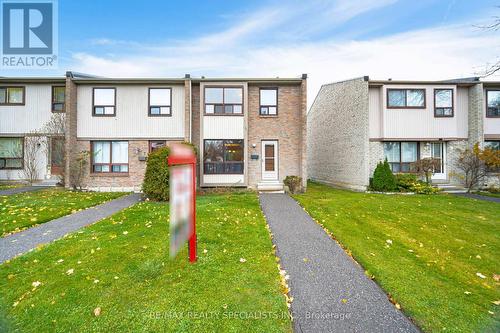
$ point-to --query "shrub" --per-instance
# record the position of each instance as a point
(383, 179)
(423, 188)
(156, 180)
(294, 183)
(155, 185)
(406, 181)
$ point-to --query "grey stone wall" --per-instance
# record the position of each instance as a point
(376, 155)
(476, 109)
(338, 136)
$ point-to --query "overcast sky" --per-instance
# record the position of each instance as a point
(328, 40)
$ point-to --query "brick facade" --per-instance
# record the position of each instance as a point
(131, 181)
(337, 129)
(287, 128)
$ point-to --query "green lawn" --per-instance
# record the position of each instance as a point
(436, 255)
(21, 211)
(9, 186)
(121, 265)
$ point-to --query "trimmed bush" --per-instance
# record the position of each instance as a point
(406, 181)
(294, 183)
(383, 179)
(155, 185)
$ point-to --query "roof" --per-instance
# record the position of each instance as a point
(92, 79)
(468, 81)
(48, 79)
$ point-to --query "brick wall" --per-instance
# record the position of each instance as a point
(126, 182)
(338, 138)
(70, 136)
(287, 128)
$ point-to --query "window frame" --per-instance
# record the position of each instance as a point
(223, 154)
(7, 96)
(401, 155)
(487, 107)
(452, 103)
(268, 106)
(94, 105)
(223, 101)
(110, 164)
(14, 158)
(406, 98)
(150, 149)
(53, 102)
(160, 106)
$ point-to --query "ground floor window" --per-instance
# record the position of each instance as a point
(493, 145)
(109, 156)
(156, 144)
(401, 155)
(223, 157)
(11, 153)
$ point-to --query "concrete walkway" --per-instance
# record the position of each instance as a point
(331, 292)
(17, 190)
(478, 197)
(24, 241)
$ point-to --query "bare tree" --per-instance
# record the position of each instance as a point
(491, 68)
(79, 168)
(55, 129)
(426, 167)
(472, 167)
(32, 146)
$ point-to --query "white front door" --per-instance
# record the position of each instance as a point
(438, 151)
(269, 160)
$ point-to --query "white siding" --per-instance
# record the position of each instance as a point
(491, 125)
(131, 120)
(31, 116)
(233, 180)
(420, 123)
(375, 112)
(223, 127)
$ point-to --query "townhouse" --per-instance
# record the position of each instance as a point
(250, 132)
(354, 124)
(30, 145)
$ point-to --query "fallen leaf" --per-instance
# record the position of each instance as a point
(388, 241)
(481, 275)
(70, 271)
(243, 260)
(467, 292)
(496, 302)
(97, 312)
(36, 284)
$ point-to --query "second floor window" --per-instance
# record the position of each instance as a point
(405, 98)
(493, 100)
(104, 102)
(110, 156)
(58, 98)
(160, 102)
(11, 95)
(224, 101)
(268, 101)
(443, 102)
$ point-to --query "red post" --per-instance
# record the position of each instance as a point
(181, 156)
(192, 239)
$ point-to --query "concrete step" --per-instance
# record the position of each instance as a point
(47, 182)
(271, 186)
(450, 188)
